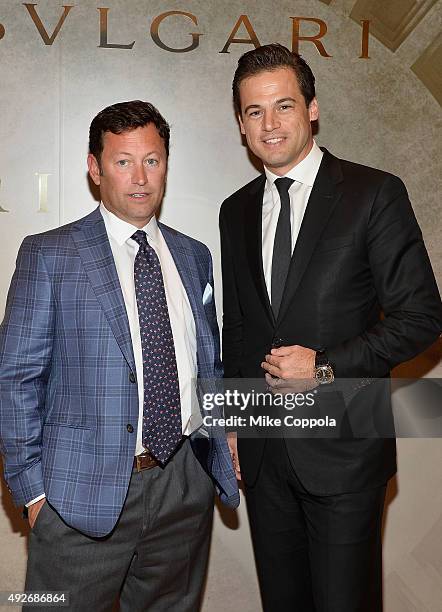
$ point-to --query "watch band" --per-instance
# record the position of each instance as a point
(321, 358)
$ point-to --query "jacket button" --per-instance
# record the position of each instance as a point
(132, 377)
(129, 428)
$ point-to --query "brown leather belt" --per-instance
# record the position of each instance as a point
(145, 461)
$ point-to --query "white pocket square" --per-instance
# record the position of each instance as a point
(207, 295)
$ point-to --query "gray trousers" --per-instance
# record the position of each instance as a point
(155, 558)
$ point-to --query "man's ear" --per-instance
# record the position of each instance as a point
(313, 110)
(94, 169)
(241, 124)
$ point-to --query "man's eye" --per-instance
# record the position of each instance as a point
(151, 162)
(255, 113)
(122, 163)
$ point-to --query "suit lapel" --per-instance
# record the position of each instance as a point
(324, 196)
(253, 240)
(91, 240)
(185, 262)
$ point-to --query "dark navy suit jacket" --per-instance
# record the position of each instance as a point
(359, 253)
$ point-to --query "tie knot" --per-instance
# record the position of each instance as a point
(283, 184)
(140, 237)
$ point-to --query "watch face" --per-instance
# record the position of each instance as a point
(324, 375)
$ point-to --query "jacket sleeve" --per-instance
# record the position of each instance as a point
(232, 333)
(26, 336)
(405, 288)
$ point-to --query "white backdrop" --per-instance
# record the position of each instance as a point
(374, 111)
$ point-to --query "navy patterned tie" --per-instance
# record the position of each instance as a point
(162, 429)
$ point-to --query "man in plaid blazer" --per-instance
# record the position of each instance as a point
(105, 514)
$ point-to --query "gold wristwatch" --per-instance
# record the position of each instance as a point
(323, 369)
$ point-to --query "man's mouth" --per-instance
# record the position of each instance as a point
(138, 195)
(274, 140)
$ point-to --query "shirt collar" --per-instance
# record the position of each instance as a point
(305, 172)
(121, 230)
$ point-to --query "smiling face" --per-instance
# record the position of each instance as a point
(275, 120)
(131, 173)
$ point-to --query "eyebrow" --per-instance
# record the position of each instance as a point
(288, 99)
(131, 154)
(280, 101)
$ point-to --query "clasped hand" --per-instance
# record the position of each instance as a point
(290, 369)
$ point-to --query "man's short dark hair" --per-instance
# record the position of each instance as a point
(124, 117)
(272, 57)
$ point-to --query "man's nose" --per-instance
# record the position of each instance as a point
(270, 120)
(139, 176)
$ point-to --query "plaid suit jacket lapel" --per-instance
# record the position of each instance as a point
(186, 264)
(213, 453)
(92, 242)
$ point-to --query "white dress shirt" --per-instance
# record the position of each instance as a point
(124, 250)
(304, 175)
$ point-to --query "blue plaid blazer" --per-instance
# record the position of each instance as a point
(66, 364)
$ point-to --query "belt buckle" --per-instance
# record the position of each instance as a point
(138, 460)
(152, 462)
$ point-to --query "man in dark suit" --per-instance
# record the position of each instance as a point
(312, 251)
(108, 321)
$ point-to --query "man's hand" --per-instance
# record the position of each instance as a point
(232, 441)
(280, 386)
(34, 510)
(290, 362)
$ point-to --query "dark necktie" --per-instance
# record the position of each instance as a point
(282, 247)
(162, 429)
